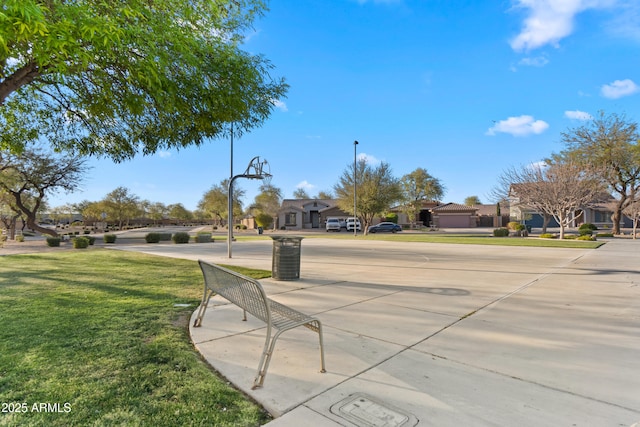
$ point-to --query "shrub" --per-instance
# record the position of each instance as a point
(604, 235)
(586, 237)
(500, 232)
(80, 243)
(203, 237)
(513, 225)
(585, 231)
(152, 237)
(53, 241)
(547, 236)
(180, 237)
(391, 217)
(91, 239)
(588, 226)
(20, 238)
(109, 238)
(570, 237)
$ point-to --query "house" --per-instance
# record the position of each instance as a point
(454, 215)
(598, 213)
(423, 216)
(298, 214)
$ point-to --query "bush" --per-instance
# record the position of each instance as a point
(109, 238)
(585, 231)
(53, 241)
(180, 237)
(91, 239)
(588, 226)
(500, 232)
(547, 236)
(203, 237)
(152, 237)
(20, 238)
(391, 217)
(513, 225)
(80, 243)
(604, 235)
(586, 237)
(87, 231)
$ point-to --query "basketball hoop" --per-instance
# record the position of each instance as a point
(255, 170)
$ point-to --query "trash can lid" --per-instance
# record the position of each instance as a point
(284, 238)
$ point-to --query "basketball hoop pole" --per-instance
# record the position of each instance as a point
(254, 171)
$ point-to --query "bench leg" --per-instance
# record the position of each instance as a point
(203, 307)
(322, 367)
(269, 348)
(265, 358)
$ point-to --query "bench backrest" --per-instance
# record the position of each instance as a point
(242, 291)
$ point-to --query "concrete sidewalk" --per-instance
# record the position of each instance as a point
(437, 334)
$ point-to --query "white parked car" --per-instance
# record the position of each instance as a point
(333, 224)
(350, 222)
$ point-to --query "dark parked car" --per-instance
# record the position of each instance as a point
(385, 227)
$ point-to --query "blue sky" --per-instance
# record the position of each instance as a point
(464, 89)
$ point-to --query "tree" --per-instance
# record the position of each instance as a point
(30, 176)
(8, 215)
(472, 201)
(612, 142)
(121, 206)
(325, 195)
(215, 202)
(178, 212)
(632, 210)
(301, 193)
(268, 201)
(118, 78)
(558, 189)
(419, 186)
(157, 211)
(376, 190)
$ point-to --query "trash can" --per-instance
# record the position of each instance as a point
(260, 230)
(285, 263)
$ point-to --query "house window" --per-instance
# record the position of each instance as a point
(290, 219)
(600, 216)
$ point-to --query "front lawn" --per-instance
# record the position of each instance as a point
(99, 337)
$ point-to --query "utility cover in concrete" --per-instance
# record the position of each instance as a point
(367, 411)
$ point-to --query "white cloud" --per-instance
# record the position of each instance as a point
(577, 115)
(280, 105)
(619, 88)
(369, 159)
(305, 184)
(519, 126)
(549, 21)
(538, 61)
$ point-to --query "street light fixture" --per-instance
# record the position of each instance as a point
(355, 216)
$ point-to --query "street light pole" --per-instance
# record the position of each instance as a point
(355, 216)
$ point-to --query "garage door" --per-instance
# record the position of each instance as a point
(454, 221)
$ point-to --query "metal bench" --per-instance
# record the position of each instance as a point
(248, 294)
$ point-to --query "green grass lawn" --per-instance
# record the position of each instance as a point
(100, 338)
(468, 239)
